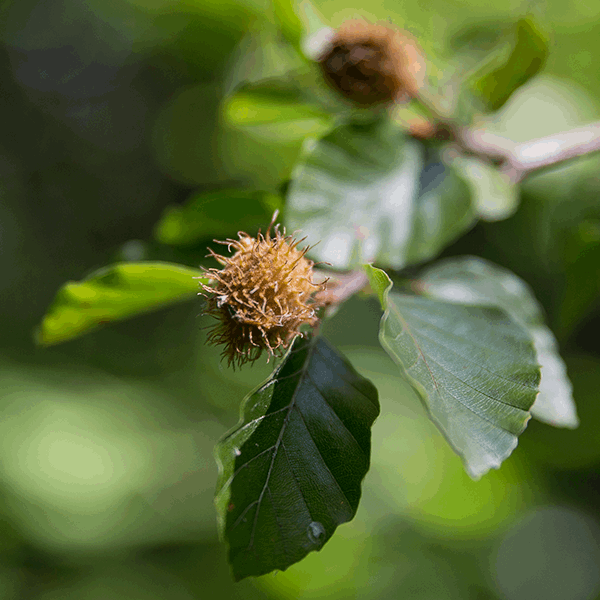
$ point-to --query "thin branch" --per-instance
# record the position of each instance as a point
(522, 159)
(344, 286)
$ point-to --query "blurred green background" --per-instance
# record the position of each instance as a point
(110, 113)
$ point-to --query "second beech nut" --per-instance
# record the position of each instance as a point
(373, 63)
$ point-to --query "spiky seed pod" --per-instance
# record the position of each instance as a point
(372, 64)
(263, 294)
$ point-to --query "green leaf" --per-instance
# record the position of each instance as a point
(288, 20)
(470, 280)
(366, 192)
(261, 55)
(544, 107)
(263, 128)
(268, 102)
(473, 367)
(290, 472)
(511, 60)
(298, 21)
(528, 56)
(208, 215)
(114, 293)
(495, 196)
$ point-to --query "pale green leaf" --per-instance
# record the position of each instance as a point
(366, 192)
(470, 280)
(494, 195)
(474, 368)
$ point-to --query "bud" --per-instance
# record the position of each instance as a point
(372, 64)
(263, 294)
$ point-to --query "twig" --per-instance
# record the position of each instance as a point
(522, 159)
(344, 286)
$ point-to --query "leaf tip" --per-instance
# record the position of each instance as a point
(379, 281)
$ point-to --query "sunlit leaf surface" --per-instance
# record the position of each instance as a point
(474, 368)
(114, 293)
(366, 192)
(290, 472)
(470, 280)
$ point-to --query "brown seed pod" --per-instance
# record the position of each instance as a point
(263, 294)
(372, 64)
(422, 130)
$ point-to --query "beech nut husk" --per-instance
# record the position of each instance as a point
(371, 64)
(262, 295)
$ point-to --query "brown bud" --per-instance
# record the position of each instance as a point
(426, 130)
(372, 64)
(422, 129)
(263, 294)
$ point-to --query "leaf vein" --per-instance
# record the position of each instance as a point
(466, 405)
(322, 457)
(494, 374)
(247, 463)
(409, 332)
(458, 337)
(278, 443)
(283, 543)
(333, 411)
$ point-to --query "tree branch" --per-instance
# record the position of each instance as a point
(344, 286)
(521, 159)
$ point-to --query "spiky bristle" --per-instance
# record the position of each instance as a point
(263, 294)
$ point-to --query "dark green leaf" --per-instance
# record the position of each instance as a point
(470, 280)
(527, 57)
(367, 192)
(114, 293)
(208, 215)
(474, 368)
(290, 472)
